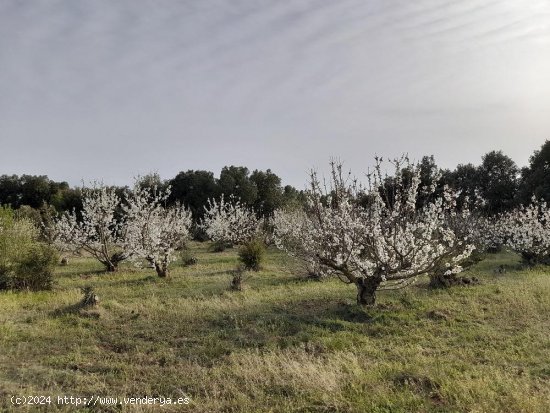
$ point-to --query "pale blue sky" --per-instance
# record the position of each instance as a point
(109, 89)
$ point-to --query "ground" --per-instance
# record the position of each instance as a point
(284, 344)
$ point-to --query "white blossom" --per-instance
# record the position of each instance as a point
(99, 231)
(229, 222)
(526, 230)
(153, 230)
(375, 237)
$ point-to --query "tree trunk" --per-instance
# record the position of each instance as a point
(110, 267)
(162, 270)
(366, 290)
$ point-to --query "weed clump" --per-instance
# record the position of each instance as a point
(251, 254)
(187, 258)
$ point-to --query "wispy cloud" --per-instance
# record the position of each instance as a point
(169, 85)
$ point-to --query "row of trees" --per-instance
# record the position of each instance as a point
(261, 190)
(142, 226)
(399, 226)
(498, 180)
(139, 226)
(381, 235)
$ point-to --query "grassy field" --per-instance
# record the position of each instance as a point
(284, 344)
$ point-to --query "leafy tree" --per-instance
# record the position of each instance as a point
(30, 190)
(68, 199)
(535, 179)
(235, 182)
(35, 190)
(193, 189)
(270, 192)
(10, 190)
(465, 181)
(151, 182)
(292, 198)
(498, 182)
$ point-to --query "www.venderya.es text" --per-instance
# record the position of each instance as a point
(94, 400)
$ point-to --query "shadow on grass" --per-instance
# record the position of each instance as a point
(79, 309)
(268, 280)
(218, 272)
(86, 307)
(213, 336)
(148, 279)
(82, 274)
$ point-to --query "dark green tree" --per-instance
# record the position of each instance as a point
(10, 190)
(535, 178)
(193, 189)
(67, 200)
(292, 198)
(464, 180)
(430, 174)
(235, 181)
(270, 192)
(36, 190)
(498, 182)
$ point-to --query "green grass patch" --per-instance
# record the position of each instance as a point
(283, 344)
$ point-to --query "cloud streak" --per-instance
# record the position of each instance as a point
(109, 89)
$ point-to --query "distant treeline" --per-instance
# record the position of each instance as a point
(261, 190)
(498, 180)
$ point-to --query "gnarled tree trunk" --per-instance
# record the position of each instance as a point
(110, 266)
(366, 290)
(162, 270)
(111, 262)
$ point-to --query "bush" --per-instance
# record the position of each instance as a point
(25, 263)
(16, 237)
(251, 254)
(238, 276)
(34, 271)
(187, 258)
(220, 246)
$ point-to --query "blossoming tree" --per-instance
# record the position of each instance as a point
(154, 231)
(98, 232)
(475, 229)
(527, 230)
(229, 222)
(375, 237)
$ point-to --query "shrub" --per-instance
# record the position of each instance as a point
(236, 283)
(16, 236)
(219, 246)
(25, 263)
(187, 258)
(90, 298)
(238, 277)
(35, 269)
(251, 254)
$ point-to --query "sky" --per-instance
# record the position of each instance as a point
(102, 89)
